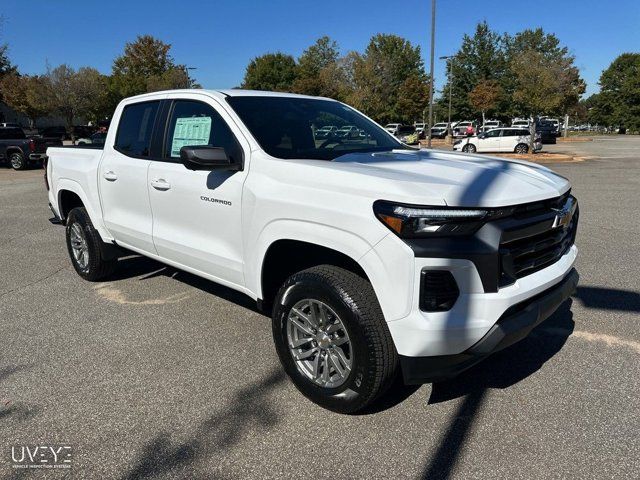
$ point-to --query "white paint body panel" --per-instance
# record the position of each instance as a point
(320, 202)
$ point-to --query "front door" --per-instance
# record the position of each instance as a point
(197, 214)
(489, 142)
(122, 177)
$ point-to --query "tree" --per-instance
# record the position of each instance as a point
(145, 66)
(484, 96)
(618, 102)
(313, 67)
(273, 71)
(545, 84)
(73, 93)
(390, 69)
(481, 57)
(26, 94)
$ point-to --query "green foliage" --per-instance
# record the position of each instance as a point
(25, 94)
(618, 103)
(145, 66)
(389, 80)
(544, 84)
(73, 94)
(314, 65)
(532, 71)
(273, 71)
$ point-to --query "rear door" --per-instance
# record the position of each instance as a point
(122, 177)
(197, 214)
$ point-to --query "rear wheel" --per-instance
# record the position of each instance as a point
(86, 247)
(17, 161)
(469, 148)
(521, 148)
(332, 338)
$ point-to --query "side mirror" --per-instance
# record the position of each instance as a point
(205, 157)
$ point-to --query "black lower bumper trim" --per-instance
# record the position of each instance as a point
(514, 325)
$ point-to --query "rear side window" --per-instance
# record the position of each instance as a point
(194, 123)
(135, 129)
(11, 133)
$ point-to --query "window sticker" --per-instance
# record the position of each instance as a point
(190, 131)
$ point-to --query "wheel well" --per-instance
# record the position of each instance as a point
(69, 201)
(286, 257)
(13, 150)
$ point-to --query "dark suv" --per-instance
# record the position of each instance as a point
(21, 151)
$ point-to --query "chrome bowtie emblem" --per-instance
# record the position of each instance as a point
(564, 214)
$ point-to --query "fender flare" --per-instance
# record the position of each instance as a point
(328, 236)
(75, 187)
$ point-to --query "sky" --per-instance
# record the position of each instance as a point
(220, 37)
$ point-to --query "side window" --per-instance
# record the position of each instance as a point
(193, 123)
(493, 133)
(135, 128)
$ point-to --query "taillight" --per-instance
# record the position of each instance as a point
(32, 145)
(46, 180)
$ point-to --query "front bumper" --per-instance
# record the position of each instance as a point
(514, 325)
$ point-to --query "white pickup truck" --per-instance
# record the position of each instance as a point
(373, 258)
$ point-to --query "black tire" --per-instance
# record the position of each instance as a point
(521, 148)
(17, 161)
(469, 148)
(351, 297)
(97, 267)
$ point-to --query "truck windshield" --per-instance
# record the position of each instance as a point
(290, 127)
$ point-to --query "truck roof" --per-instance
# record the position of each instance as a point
(231, 92)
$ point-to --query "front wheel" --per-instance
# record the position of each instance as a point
(469, 148)
(332, 338)
(86, 247)
(17, 161)
(521, 148)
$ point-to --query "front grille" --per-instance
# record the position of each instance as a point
(533, 244)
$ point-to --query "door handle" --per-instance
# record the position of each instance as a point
(110, 176)
(160, 184)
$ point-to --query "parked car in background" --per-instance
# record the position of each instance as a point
(20, 151)
(328, 131)
(348, 132)
(505, 139)
(408, 134)
(392, 128)
(439, 130)
(420, 127)
(490, 125)
(55, 132)
(83, 131)
(547, 130)
(460, 130)
(95, 139)
(520, 123)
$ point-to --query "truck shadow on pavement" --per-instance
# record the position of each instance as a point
(499, 371)
(145, 268)
(247, 411)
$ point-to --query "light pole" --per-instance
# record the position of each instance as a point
(449, 59)
(186, 71)
(433, 35)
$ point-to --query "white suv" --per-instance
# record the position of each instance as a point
(497, 140)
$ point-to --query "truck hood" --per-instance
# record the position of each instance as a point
(455, 179)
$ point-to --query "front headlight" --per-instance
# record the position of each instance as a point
(409, 221)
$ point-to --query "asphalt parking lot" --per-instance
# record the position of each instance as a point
(158, 374)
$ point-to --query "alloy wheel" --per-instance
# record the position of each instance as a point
(319, 343)
(79, 246)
